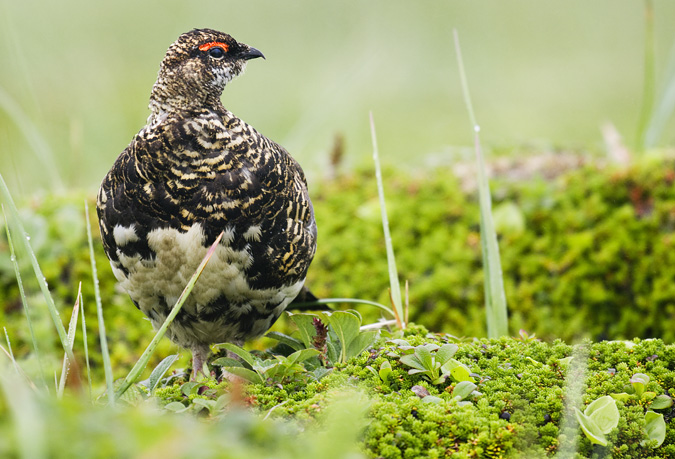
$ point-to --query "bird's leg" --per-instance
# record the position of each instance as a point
(199, 354)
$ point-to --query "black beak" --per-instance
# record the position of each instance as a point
(251, 53)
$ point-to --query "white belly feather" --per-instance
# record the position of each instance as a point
(177, 256)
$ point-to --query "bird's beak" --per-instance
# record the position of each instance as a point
(251, 53)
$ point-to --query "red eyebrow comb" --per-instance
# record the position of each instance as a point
(212, 44)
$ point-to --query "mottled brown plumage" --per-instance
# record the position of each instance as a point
(194, 171)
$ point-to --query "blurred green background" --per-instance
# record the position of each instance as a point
(542, 73)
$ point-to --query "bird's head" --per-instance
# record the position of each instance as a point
(197, 67)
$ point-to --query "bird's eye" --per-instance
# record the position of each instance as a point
(217, 52)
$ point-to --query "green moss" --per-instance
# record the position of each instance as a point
(592, 257)
(519, 411)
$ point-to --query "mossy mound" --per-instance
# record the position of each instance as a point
(589, 254)
(518, 410)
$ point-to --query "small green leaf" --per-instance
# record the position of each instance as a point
(245, 373)
(360, 343)
(431, 347)
(604, 413)
(590, 428)
(291, 342)
(302, 355)
(463, 389)
(305, 324)
(640, 377)
(621, 397)
(446, 352)
(648, 396)
(639, 382)
(385, 370)
(159, 371)
(319, 372)
(227, 362)
(432, 399)
(242, 353)
(661, 402)
(415, 371)
(425, 358)
(373, 371)
(457, 370)
(413, 361)
(332, 350)
(346, 326)
(188, 387)
(655, 427)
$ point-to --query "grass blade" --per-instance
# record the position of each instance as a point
(14, 212)
(72, 328)
(159, 371)
(143, 360)
(391, 259)
(9, 350)
(107, 367)
(84, 339)
(308, 304)
(495, 298)
(24, 301)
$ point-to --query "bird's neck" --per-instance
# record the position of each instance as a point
(167, 98)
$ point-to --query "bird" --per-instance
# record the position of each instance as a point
(194, 171)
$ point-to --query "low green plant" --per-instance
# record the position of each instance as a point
(463, 390)
(435, 363)
(598, 419)
(337, 335)
(635, 391)
(384, 372)
(277, 370)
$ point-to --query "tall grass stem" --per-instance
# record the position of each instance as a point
(495, 298)
(107, 366)
(24, 301)
(84, 340)
(391, 259)
(72, 329)
(25, 239)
